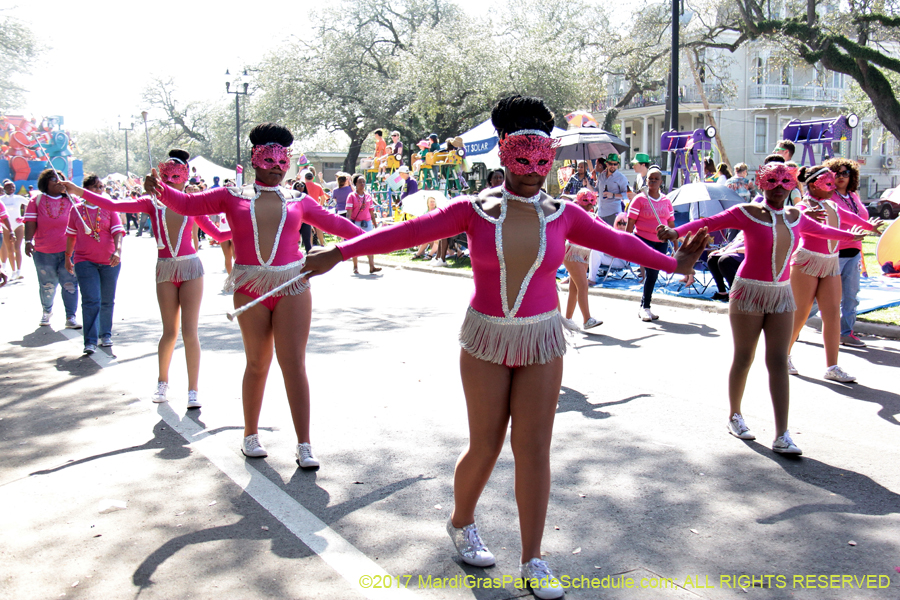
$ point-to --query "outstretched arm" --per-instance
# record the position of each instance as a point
(126, 206)
(204, 223)
(315, 215)
(210, 202)
(810, 227)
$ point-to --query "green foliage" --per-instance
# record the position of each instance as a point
(18, 47)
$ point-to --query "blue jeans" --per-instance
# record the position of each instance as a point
(651, 275)
(849, 291)
(98, 297)
(51, 271)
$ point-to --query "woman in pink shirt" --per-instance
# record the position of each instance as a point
(815, 273)
(512, 336)
(179, 272)
(46, 218)
(265, 223)
(647, 212)
(761, 300)
(361, 210)
(93, 254)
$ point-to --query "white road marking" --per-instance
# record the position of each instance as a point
(349, 562)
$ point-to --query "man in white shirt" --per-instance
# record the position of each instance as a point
(612, 186)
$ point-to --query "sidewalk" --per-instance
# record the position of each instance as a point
(861, 327)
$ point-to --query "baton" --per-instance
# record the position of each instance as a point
(88, 230)
(252, 303)
(157, 234)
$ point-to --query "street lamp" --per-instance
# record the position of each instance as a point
(126, 130)
(240, 89)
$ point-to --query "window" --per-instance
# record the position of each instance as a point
(761, 135)
(759, 70)
(865, 139)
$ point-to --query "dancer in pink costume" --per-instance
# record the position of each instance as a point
(265, 221)
(179, 271)
(761, 297)
(815, 274)
(512, 336)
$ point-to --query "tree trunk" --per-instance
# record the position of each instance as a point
(356, 140)
(709, 115)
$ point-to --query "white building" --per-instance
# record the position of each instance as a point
(764, 97)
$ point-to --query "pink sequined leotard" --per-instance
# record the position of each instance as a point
(818, 257)
(520, 325)
(762, 284)
(253, 274)
(176, 262)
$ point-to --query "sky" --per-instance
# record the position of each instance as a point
(100, 55)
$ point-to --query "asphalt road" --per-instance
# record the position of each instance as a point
(648, 487)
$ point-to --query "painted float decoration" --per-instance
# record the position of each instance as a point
(688, 148)
(27, 147)
(820, 132)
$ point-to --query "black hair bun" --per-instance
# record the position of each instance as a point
(521, 112)
(271, 133)
(182, 155)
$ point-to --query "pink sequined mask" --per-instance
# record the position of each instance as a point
(173, 172)
(270, 156)
(527, 154)
(824, 182)
(773, 175)
(586, 199)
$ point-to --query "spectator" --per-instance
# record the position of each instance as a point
(361, 210)
(341, 192)
(723, 174)
(646, 213)
(709, 170)
(640, 163)
(380, 148)
(612, 186)
(315, 191)
(215, 182)
(846, 181)
(580, 179)
(46, 218)
(410, 185)
(11, 249)
(785, 149)
(723, 265)
(745, 188)
(576, 263)
(94, 257)
(422, 251)
(494, 179)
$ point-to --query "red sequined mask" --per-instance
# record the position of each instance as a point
(270, 156)
(524, 154)
(173, 172)
(773, 175)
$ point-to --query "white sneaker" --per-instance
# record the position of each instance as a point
(835, 373)
(193, 401)
(591, 323)
(305, 458)
(783, 444)
(71, 323)
(646, 315)
(792, 370)
(540, 579)
(437, 262)
(469, 546)
(252, 448)
(45, 319)
(16, 275)
(738, 428)
(159, 396)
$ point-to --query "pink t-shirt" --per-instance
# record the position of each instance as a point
(51, 215)
(645, 220)
(854, 205)
(359, 208)
(840, 219)
(106, 223)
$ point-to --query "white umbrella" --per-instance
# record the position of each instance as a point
(583, 143)
(417, 204)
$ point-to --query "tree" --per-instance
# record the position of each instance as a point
(859, 38)
(18, 47)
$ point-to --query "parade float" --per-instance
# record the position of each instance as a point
(27, 147)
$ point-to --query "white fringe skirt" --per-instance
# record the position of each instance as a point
(513, 341)
(179, 268)
(816, 264)
(750, 295)
(576, 253)
(260, 279)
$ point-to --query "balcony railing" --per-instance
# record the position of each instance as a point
(686, 95)
(801, 93)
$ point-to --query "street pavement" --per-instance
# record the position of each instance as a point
(648, 489)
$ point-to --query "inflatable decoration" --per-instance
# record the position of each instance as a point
(688, 148)
(822, 132)
(28, 147)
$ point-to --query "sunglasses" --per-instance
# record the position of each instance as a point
(609, 164)
(621, 222)
(842, 174)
